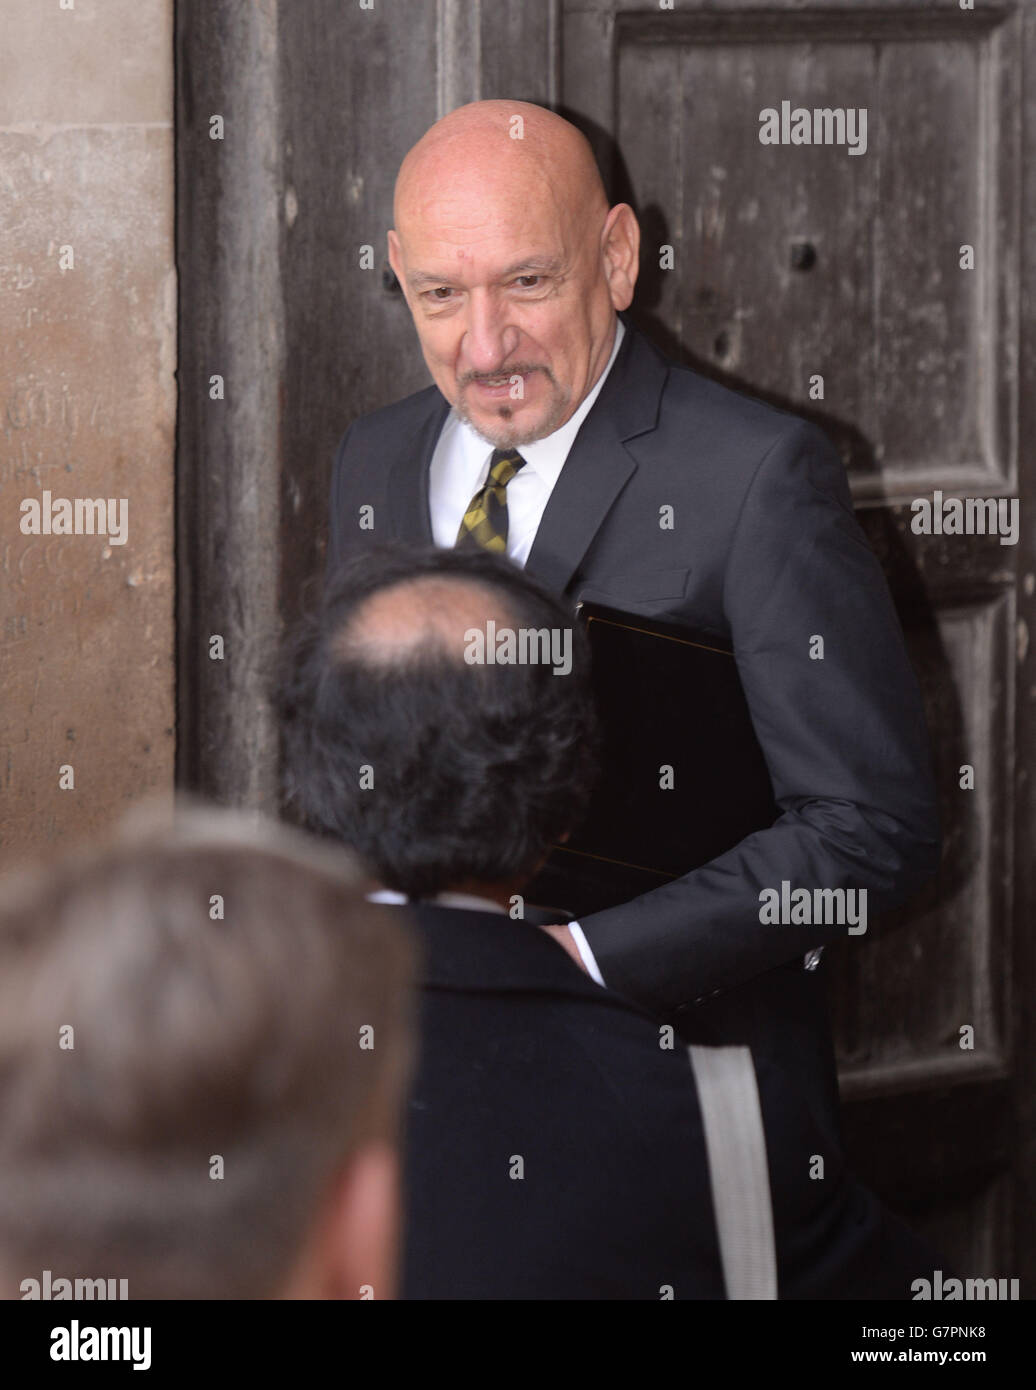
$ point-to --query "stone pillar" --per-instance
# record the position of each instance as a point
(229, 228)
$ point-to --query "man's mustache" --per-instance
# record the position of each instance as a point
(516, 369)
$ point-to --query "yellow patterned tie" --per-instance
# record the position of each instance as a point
(485, 522)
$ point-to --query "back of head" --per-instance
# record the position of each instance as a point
(182, 1068)
(439, 719)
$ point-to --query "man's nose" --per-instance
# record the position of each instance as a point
(489, 339)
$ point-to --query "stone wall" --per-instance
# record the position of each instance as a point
(87, 415)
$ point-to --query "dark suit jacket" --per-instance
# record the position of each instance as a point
(522, 1057)
(765, 553)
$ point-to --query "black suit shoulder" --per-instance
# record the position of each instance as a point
(734, 431)
(394, 420)
(366, 452)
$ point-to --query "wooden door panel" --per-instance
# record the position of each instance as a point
(905, 990)
(802, 260)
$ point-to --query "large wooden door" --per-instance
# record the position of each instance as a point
(789, 262)
(793, 262)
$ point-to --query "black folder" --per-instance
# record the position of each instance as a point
(667, 698)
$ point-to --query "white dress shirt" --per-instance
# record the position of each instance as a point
(460, 466)
(466, 900)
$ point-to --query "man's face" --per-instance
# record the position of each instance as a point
(511, 300)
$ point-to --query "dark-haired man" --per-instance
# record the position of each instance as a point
(554, 1139)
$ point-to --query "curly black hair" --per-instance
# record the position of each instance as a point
(474, 770)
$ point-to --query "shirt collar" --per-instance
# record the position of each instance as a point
(465, 900)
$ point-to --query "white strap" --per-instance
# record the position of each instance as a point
(736, 1148)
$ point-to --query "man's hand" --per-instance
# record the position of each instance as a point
(563, 937)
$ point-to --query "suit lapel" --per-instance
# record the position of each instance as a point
(598, 465)
(408, 476)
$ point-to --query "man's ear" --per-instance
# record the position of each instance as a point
(620, 247)
(356, 1248)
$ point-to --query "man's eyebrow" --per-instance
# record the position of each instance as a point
(418, 278)
(536, 265)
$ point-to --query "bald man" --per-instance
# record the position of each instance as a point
(557, 434)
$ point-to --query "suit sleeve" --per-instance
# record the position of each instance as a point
(844, 738)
